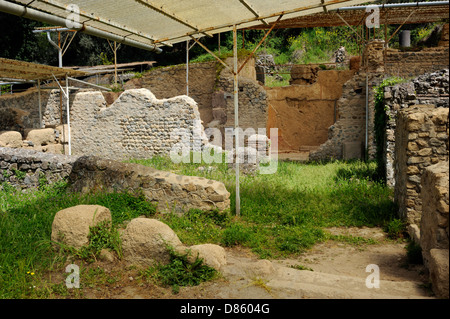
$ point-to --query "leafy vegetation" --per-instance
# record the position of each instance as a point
(380, 123)
(179, 272)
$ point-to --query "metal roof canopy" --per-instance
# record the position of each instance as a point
(14, 70)
(151, 24)
(414, 13)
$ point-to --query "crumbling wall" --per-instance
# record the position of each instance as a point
(434, 232)
(347, 136)
(411, 64)
(171, 192)
(431, 88)
(421, 140)
(170, 81)
(136, 125)
(25, 168)
(305, 110)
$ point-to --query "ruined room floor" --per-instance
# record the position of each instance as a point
(332, 270)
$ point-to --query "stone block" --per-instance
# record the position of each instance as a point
(71, 225)
(10, 139)
(439, 272)
(41, 137)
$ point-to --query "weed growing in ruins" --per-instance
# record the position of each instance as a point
(179, 272)
(381, 119)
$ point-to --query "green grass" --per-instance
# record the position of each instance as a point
(282, 214)
(285, 213)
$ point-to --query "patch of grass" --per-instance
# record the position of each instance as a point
(101, 236)
(284, 213)
(301, 267)
(395, 229)
(179, 272)
(25, 231)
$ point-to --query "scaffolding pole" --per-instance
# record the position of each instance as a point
(236, 119)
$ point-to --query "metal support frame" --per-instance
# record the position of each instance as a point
(249, 8)
(114, 50)
(172, 16)
(236, 119)
(22, 11)
(67, 96)
(235, 71)
(188, 48)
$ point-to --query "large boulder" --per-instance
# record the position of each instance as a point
(145, 242)
(41, 137)
(10, 139)
(71, 225)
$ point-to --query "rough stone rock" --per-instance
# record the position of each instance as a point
(170, 191)
(145, 242)
(439, 272)
(213, 255)
(301, 74)
(41, 137)
(71, 225)
(10, 139)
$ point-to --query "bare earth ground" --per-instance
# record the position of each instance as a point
(333, 270)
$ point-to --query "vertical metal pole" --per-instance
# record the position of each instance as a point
(366, 148)
(219, 44)
(59, 50)
(187, 67)
(115, 61)
(40, 103)
(236, 119)
(68, 115)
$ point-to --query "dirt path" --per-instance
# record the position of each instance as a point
(330, 270)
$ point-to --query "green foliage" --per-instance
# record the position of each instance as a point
(179, 272)
(101, 236)
(395, 229)
(380, 123)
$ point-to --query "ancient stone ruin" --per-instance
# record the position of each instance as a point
(144, 241)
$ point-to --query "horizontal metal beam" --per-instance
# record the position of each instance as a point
(172, 15)
(395, 5)
(249, 8)
(29, 13)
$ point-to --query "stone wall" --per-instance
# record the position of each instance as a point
(421, 140)
(434, 231)
(170, 81)
(25, 169)
(304, 110)
(136, 125)
(347, 136)
(411, 64)
(172, 193)
(431, 88)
